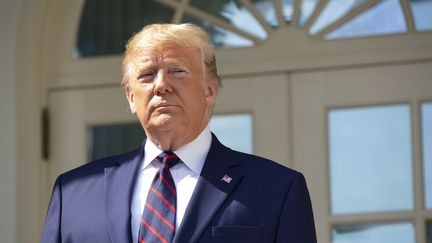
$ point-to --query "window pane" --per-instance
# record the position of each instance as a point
(334, 10)
(429, 231)
(307, 8)
(427, 151)
(219, 37)
(287, 9)
(384, 18)
(370, 159)
(422, 11)
(235, 131)
(267, 10)
(107, 140)
(374, 233)
(105, 26)
(232, 11)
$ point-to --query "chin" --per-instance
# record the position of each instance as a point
(165, 123)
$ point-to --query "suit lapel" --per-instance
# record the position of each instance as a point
(220, 175)
(118, 187)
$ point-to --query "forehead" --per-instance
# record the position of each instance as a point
(169, 53)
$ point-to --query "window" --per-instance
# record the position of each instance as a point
(371, 172)
(106, 25)
(375, 233)
(422, 10)
(233, 130)
(370, 159)
(429, 231)
(426, 111)
(108, 140)
(334, 10)
(388, 14)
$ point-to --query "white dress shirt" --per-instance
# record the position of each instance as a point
(185, 175)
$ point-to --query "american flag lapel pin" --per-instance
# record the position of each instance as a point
(226, 179)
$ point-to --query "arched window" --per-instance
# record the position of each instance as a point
(106, 25)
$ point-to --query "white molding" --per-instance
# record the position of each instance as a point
(286, 50)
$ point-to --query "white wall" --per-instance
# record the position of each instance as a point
(8, 105)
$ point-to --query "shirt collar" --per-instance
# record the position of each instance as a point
(192, 154)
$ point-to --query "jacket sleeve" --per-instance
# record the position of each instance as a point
(296, 224)
(52, 230)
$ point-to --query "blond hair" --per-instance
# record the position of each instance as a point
(181, 34)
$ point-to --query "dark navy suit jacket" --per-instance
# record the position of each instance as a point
(263, 202)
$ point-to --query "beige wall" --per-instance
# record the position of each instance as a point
(43, 61)
(8, 146)
(20, 95)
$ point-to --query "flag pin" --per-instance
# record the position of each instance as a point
(226, 179)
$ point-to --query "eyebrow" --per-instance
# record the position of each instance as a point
(149, 63)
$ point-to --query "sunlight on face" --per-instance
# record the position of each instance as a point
(168, 92)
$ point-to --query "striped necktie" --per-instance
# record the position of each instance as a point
(158, 219)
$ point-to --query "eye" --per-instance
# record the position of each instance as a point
(146, 77)
(178, 72)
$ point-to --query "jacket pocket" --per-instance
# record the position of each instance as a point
(237, 232)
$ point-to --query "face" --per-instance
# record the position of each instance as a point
(169, 94)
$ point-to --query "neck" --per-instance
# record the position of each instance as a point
(171, 141)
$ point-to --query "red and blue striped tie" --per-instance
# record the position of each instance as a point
(158, 219)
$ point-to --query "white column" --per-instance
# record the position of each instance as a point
(8, 105)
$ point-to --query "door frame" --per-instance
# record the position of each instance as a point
(73, 111)
(315, 93)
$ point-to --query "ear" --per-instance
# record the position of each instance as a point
(130, 98)
(211, 92)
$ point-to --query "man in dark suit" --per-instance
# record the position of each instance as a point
(181, 185)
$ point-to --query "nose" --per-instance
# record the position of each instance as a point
(162, 83)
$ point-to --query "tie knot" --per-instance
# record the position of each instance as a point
(168, 158)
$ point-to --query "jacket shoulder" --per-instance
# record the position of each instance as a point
(97, 167)
(263, 164)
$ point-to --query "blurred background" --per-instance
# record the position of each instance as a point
(340, 90)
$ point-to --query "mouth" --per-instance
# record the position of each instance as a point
(164, 106)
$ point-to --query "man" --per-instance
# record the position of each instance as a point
(181, 185)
